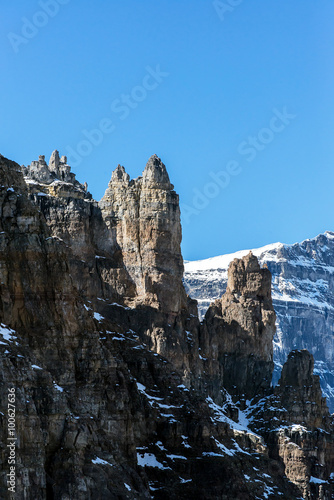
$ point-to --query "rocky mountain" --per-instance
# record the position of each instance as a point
(303, 298)
(111, 387)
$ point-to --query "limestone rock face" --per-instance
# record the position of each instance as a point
(124, 249)
(97, 414)
(308, 459)
(155, 174)
(296, 423)
(306, 446)
(136, 227)
(300, 392)
(54, 179)
(143, 216)
(299, 428)
(239, 329)
(120, 176)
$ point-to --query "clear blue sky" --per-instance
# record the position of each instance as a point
(227, 72)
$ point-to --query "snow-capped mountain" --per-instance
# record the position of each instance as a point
(303, 297)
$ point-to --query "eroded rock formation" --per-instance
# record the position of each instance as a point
(238, 330)
(296, 422)
(120, 391)
(303, 298)
(299, 390)
(144, 216)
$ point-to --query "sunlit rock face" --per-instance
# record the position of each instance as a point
(135, 229)
(144, 216)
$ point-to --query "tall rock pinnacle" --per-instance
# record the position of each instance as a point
(298, 386)
(120, 176)
(144, 215)
(54, 161)
(240, 328)
(155, 174)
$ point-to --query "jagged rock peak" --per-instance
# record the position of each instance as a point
(246, 277)
(54, 161)
(298, 386)
(155, 174)
(119, 175)
(60, 167)
(11, 174)
(144, 216)
(54, 178)
(298, 369)
(238, 330)
(57, 169)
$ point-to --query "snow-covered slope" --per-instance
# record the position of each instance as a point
(303, 296)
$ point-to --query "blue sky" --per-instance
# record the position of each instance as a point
(236, 97)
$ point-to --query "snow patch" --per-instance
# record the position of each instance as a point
(173, 457)
(60, 389)
(149, 460)
(316, 480)
(7, 333)
(99, 461)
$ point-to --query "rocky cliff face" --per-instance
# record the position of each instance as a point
(238, 330)
(293, 419)
(144, 217)
(298, 382)
(120, 391)
(124, 249)
(136, 227)
(303, 298)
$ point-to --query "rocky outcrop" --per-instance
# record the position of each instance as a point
(125, 249)
(97, 414)
(303, 298)
(296, 424)
(238, 330)
(144, 217)
(55, 178)
(299, 391)
(136, 227)
(120, 392)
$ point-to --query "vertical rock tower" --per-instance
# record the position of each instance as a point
(239, 329)
(143, 216)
